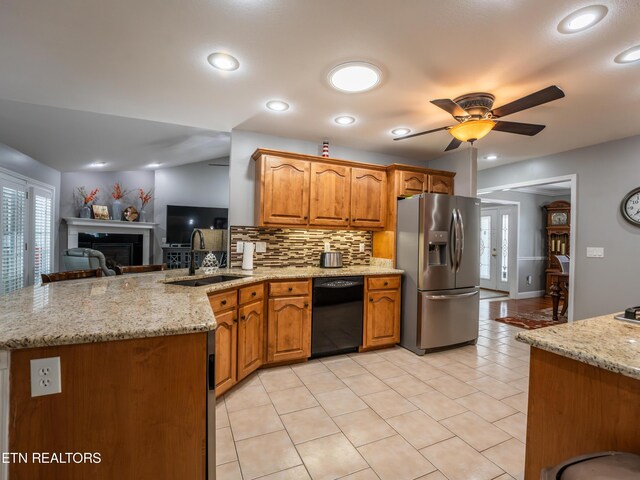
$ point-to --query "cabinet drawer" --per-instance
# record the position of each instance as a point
(223, 301)
(254, 292)
(282, 289)
(383, 283)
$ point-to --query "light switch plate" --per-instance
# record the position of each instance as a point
(239, 247)
(45, 376)
(362, 248)
(327, 247)
(261, 247)
(595, 252)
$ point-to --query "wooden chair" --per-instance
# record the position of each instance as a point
(122, 269)
(560, 287)
(70, 275)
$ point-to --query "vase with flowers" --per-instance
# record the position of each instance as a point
(145, 198)
(87, 200)
(116, 207)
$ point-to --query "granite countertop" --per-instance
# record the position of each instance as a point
(128, 306)
(601, 341)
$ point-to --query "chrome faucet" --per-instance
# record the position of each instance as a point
(192, 260)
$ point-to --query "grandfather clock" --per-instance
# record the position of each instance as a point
(558, 216)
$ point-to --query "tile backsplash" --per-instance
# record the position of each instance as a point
(296, 247)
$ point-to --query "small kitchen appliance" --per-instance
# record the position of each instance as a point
(331, 260)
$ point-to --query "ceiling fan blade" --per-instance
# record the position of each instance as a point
(545, 95)
(455, 143)
(530, 129)
(451, 107)
(421, 133)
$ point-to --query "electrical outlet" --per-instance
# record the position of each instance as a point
(261, 247)
(45, 376)
(239, 247)
(327, 247)
(362, 248)
(595, 252)
(529, 279)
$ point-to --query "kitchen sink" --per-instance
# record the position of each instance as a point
(201, 282)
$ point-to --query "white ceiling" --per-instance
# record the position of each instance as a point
(549, 189)
(147, 59)
(69, 140)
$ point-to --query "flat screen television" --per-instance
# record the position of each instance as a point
(181, 220)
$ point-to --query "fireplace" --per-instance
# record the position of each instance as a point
(121, 249)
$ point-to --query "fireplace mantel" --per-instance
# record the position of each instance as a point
(90, 225)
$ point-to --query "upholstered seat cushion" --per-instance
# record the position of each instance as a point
(85, 259)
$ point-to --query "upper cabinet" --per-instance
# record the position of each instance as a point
(330, 195)
(285, 191)
(440, 184)
(411, 183)
(368, 198)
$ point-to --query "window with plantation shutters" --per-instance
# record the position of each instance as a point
(13, 228)
(42, 234)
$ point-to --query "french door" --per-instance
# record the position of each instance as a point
(26, 232)
(497, 248)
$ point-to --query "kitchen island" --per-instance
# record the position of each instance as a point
(134, 371)
(584, 391)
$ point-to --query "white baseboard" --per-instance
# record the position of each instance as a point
(534, 294)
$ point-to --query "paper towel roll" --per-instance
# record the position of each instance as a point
(247, 255)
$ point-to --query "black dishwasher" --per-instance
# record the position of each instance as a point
(336, 322)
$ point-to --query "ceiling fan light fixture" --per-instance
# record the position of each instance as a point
(582, 19)
(472, 130)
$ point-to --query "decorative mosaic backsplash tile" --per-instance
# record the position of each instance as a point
(300, 247)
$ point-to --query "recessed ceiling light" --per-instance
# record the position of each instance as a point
(344, 120)
(491, 156)
(355, 77)
(582, 19)
(400, 131)
(223, 61)
(98, 164)
(277, 105)
(154, 165)
(628, 56)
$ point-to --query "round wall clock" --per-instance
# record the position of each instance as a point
(630, 207)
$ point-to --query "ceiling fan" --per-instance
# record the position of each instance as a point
(476, 116)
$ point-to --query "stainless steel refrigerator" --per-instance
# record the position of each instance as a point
(438, 247)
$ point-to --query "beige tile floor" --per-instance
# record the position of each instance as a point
(389, 415)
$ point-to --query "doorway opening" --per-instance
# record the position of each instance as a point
(521, 225)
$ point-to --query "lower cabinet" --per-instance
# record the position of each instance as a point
(381, 312)
(226, 346)
(289, 322)
(250, 338)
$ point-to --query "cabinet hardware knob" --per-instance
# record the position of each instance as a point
(235, 320)
(306, 305)
(291, 289)
(223, 302)
(386, 283)
(243, 317)
(371, 299)
(305, 218)
(253, 294)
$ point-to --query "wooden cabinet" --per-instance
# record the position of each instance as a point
(239, 334)
(410, 183)
(440, 184)
(381, 312)
(558, 227)
(368, 198)
(289, 322)
(330, 195)
(284, 198)
(250, 338)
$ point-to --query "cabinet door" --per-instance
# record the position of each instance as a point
(411, 183)
(382, 318)
(330, 195)
(289, 329)
(285, 198)
(250, 338)
(440, 184)
(368, 195)
(226, 340)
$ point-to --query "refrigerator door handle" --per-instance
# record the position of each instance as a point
(460, 239)
(450, 297)
(453, 240)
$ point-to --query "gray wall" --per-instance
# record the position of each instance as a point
(465, 163)
(605, 173)
(242, 171)
(196, 184)
(22, 164)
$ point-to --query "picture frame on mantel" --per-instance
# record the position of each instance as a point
(100, 212)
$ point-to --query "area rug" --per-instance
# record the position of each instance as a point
(533, 320)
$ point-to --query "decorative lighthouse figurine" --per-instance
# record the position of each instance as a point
(325, 149)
